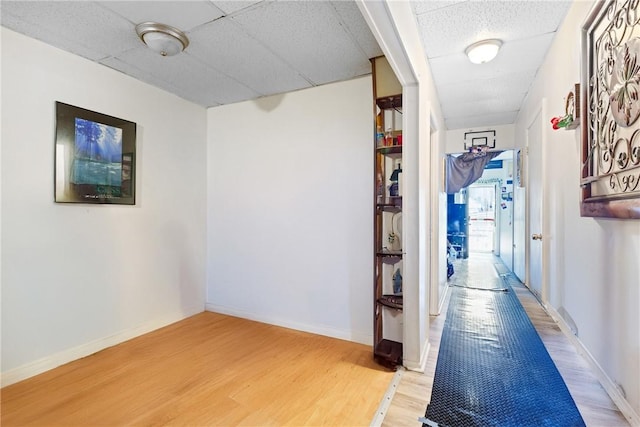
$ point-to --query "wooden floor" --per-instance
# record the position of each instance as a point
(414, 391)
(208, 370)
(215, 370)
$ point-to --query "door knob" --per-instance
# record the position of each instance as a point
(536, 236)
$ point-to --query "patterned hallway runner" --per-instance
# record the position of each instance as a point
(493, 369)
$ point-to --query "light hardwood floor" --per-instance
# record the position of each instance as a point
(215, 370)
(414, 391)
(208, 370)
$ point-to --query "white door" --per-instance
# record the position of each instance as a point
(535, 206)
(482, 217)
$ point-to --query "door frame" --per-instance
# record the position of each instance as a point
(438, 262)
(544, 274)
(392, 23)
(493, 185)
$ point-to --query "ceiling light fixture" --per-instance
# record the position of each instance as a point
(483, 51)
(161, 38)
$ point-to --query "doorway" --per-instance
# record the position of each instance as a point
(535, 208)
(482, 218)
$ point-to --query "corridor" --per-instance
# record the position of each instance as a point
(481, 270)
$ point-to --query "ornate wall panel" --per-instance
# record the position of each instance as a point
(610, 126)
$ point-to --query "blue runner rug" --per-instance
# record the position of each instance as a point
(493, 369)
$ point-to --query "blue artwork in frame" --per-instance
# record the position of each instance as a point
(94, 157)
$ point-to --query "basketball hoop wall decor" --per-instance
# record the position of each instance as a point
(479, 140)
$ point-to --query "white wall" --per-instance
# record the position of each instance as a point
(505, 140)
(77, 278)
(593, 263)
(290, 210)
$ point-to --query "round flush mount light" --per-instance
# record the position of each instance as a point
(161, 38)
(483, 51)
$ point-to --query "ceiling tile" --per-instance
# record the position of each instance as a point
(309, 37)
(479, 106)
(225, 46)
(83, 28)
(470, 122)
(477, 20)
(184, 15)
(141, 75)
(501, 87)
(520, 55)
(22, 26)
(211, 88)
(196, 81)
(352, 19)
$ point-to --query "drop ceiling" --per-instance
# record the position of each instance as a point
(243, 50)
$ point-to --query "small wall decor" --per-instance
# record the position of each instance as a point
(571, 117)
(94, 157)
(610, 176)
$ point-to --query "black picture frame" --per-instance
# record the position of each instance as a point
(95, 157)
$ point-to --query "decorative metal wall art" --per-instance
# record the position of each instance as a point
(611, 108)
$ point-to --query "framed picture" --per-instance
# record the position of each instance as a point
(610, 149)
(94, 157)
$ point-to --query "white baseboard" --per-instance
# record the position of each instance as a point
(421, 365)
(443, 298)
(347, 335)
(610, 387)
(53, 361)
